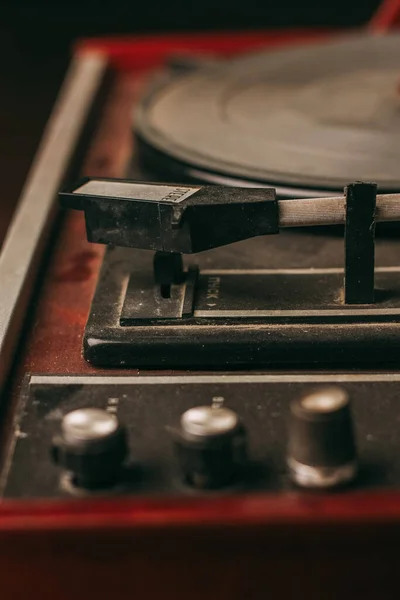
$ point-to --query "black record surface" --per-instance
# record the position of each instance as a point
(309, 117)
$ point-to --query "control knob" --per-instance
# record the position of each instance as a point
(322, 451)
(211, 446)
(92, 447)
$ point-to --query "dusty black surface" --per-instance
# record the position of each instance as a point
(209, 340)
(148, 409)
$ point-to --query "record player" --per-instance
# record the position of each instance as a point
(206, 389)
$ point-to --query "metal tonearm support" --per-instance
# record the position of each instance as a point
(185, 219)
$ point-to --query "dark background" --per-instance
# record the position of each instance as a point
(38, 22)
(35, 37)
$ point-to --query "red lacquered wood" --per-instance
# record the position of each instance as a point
(146, 52)
(386, 16)
(225, 555)
(237, 511)
(221, 550)
(55, 343)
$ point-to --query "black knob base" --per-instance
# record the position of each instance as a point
(211, 447)
(91, 448)
(321, 450)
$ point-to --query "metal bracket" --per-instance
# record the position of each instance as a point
(360, 243)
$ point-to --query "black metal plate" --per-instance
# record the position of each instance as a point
(301, 296)
(147, 405)
(301, 318)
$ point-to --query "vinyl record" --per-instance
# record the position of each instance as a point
(307, 119)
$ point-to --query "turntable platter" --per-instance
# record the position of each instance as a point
(310, 117)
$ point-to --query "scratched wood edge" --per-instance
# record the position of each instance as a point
(107, 155)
